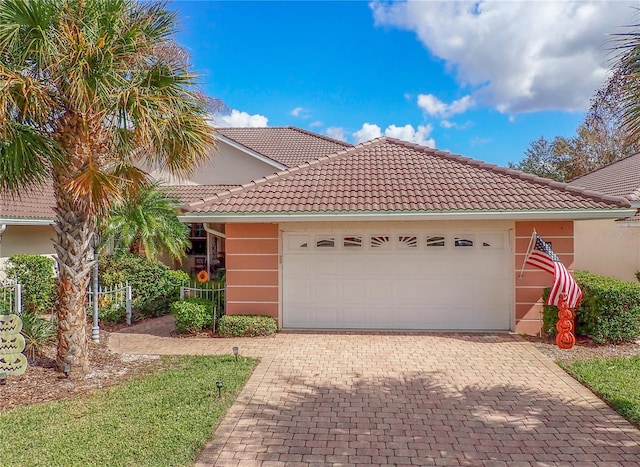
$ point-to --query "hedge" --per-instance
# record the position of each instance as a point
(246, 325)
(609, 311)
(154, 286)
(192, 314)
(35, 274)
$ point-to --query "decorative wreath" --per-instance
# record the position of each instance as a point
(203, 276)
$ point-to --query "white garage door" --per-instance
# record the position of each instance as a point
(428, 280)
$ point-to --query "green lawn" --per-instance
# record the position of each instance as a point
(161, 419)
(615, 380)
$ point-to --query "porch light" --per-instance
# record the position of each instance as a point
(219, 386)
(235, 352)
(67, 370)
(3, 378)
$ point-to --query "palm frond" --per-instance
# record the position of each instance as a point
(26, 157)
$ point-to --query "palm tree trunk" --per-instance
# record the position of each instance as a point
(74, 230)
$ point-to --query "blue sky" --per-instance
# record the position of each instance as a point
(481, 79)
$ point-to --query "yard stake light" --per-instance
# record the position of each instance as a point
(219, 386)
(3, 378)
(235, 352)
(67, 370)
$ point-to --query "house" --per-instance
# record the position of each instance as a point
(611, 247)
(392, 235)
(243, 154)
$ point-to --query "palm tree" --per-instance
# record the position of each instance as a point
(627, 67)
(147, 221)
(88, 90)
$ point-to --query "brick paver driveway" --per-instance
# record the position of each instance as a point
(415, 399)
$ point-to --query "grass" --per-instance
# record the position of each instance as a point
(615, 380)
(163, 418)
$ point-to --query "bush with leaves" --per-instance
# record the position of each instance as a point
(192, 314)
(35, 274)
(609, 311)
(154, 286)
(246, 325)
(37, 332)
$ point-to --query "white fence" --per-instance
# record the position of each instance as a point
(117, 296)
(211, 291)
(11, 297)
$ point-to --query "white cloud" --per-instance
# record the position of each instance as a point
(434, 107)
(240, 119)
(406, 133)
(518, 56)
(447, 124)
(316, 124)
(336, 133)
(298, 112)
(367, 132)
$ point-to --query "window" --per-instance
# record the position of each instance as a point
(381, 242)
(435, 241)
(352, 241)
(297, 242)
(492, 240)
(406, 242)
(465, 241)
(325, 242)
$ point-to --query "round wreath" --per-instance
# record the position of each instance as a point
(203, 276)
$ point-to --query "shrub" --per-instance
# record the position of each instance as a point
(609, 311)
(111, 313)
(35, 274)
(192, 314)
(246, 325)
(37, 332)
(154, 286)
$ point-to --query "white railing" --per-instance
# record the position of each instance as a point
(119, 295)
(11, 297)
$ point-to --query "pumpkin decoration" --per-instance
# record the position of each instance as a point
(13, 364)
(565, 339)
(12, 343)
(10, 324)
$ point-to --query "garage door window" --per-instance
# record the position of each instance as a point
(493, 241)
(407, 242)
(435, 241)
(352, 241)
(325, 242)
(298, 242)
(380, 242)
(464, 241)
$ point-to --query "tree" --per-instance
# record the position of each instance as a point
(599, 140)
(627, 68)
(541, 159)
(89, 89)
(147, 222)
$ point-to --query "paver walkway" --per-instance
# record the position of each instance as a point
(396, 399)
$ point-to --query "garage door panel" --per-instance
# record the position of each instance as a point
(398, 284)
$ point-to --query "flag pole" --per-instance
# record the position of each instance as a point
(533, 236)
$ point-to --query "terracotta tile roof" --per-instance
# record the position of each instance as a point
(289, 146)
(33, 204)
(387, 175)
(192, 193)
(620, 178)
(38, 203)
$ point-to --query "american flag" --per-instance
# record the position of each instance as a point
(541, 256)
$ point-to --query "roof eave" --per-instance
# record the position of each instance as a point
(25, 221)
(579, 214)
(250, 152)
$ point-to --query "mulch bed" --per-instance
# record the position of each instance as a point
(42, 383)
(584, 349)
